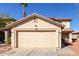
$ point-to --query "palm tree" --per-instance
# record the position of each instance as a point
(24, 5)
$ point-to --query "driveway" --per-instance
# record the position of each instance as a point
(30, 52)
(39, 52)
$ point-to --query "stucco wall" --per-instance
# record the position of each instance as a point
(31, 24)
(39, 23)
(75, 36)
(66, 23)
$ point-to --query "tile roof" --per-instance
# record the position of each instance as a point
(67, 29)
(77, 32)
(35, 15)
(61, 19)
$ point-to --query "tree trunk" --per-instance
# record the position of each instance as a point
(24, 12)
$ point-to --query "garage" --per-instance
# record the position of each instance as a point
(36, 31)
(38, 39)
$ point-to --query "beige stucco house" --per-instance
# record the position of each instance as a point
(37, 31)
(75, 35)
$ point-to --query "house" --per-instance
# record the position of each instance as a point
(75, 35)
(37, 31)
(3, 22)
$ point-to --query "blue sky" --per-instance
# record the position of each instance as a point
(50, 10)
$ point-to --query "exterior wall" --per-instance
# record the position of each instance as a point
(36, 24)
(70, 37)
(39, 23)
(67, 36)
(59, 38)
(7, 35)
(78, 36)
(66, 23)
(75, 36)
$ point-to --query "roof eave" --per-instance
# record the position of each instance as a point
(35, 15)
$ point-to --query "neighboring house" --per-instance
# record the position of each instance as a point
(75, 35)
(37, 31)
(3, 23)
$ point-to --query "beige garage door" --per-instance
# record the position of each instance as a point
(37, 39)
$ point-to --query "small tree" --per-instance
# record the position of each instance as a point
(4, 21)
(8, 41)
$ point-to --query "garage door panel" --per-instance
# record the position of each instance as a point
(37, 39)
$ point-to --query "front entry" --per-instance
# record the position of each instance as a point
(2, 37)
(65, 36)
(65, 39)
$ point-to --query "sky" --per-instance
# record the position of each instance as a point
(56, 10)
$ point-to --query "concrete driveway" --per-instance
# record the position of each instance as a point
(39, 52)
(31, 52)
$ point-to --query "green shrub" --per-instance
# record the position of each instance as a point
(8, 40)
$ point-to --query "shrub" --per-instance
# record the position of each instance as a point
(8, 40)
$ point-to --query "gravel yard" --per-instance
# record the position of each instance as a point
(4, 48)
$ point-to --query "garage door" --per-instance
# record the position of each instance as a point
(37, 39)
